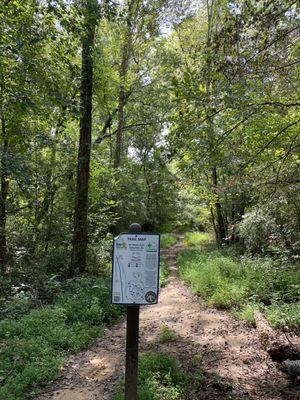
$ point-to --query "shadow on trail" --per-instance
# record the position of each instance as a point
(205, 384)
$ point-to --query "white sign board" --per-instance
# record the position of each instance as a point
(135, 274)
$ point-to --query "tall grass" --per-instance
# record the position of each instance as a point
(167, 240)
(197, 239)
(243, 285)
(163, 273)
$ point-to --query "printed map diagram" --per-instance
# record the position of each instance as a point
(135, 268)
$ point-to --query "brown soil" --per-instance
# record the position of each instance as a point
(226, 351)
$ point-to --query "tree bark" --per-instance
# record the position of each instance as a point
(220, 219)
(80, 234)
(219, 227)
(123, 94)
(214, 224)
(3, 199)
(4, 188)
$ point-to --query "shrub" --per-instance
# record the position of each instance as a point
(256, 229)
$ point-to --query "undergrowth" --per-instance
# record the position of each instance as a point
(195, 239)
(163, 273)
(166, 334)
(167, 240)
(33, 347)
(244, 284)
(281, 315)
(162, 378)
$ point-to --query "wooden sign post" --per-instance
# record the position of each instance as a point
(132, 342)
(135, 282)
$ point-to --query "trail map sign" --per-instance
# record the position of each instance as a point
(135, 275)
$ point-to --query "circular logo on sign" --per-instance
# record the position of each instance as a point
(150, 297)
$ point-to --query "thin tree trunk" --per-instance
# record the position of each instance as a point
(3, 197)
(51, 187)
(214, 224)
(80, 234)
(119, 133)
(3, 189)
(220, 219)
(123, 93)
(49, 227)
(219, 227)
(148, 202)
(49, 201)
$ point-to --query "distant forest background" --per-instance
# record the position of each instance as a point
(186, 117)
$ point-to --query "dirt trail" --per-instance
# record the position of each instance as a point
(226, 350)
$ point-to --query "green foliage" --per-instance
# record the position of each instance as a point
(197, 239)
(16, 306)
(168, 240)
(246, 313)
(87, 299)
(34, 346)
(163, 273)
(166, 334)
(257, 227)
(271, 228)
(196, 105)
(193, 212)
(237, 145)
(161, 364)
(160, 378)
(284, 315)
(227, 282)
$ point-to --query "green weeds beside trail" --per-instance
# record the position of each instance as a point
(162, 378)
(195, 239)
(163, 273)
(242, 284)
(166, 334)
(167, 240)
(33, 348)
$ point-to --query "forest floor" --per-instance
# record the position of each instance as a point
(227, 351)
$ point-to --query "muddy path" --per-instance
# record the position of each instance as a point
(227, 352)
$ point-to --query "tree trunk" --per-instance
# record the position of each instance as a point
(149, 191)
(214, 224)
(80, 235)
(51, 187)
(221, 226)
(3, 197)
(123, 93)
(4, 186)
(119, 133)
